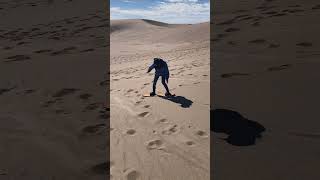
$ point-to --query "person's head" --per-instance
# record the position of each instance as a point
(157, 61)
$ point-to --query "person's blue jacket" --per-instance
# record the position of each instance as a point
(161, 68)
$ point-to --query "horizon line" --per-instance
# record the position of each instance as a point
(159, 21)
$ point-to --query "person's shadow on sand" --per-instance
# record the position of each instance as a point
(241, 131)
(184, 102)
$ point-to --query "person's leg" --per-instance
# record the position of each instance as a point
(165, 84)
(156, 77)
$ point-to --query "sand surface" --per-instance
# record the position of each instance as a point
(266, 68)
(52, 90)
(156, 138)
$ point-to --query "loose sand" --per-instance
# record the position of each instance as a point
(156, 138)
(52, 90)
(266, 68)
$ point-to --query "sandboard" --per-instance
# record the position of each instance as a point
(159, 94)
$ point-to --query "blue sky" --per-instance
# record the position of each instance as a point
(168, 11)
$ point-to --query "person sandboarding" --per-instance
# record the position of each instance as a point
(162, 70)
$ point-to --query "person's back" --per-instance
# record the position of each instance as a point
(161, 67)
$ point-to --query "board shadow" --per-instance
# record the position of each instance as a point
(184, 102)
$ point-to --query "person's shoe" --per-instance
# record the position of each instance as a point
(168, 94)
(152, 94)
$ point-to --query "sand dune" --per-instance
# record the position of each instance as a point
(155, 138)
(137, 33)
(265, 65)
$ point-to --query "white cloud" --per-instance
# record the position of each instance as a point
(129, 1)
(176, 11)
(174, 1)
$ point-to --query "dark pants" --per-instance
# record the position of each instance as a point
(163, 80)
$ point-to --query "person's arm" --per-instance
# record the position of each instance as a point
(151, 67)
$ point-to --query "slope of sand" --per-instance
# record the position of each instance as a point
(52, 92)
(266, 68)
(156, 138)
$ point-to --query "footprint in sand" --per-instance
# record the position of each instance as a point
(130, 90)
(61, 111)
(256, 24)
(201, 134)
(131, 132)
(7, 48)
(163, 120)
(43, 51)
(304, 44)
(232, 29)
(272, 45)
(242, 16)
(279, 68)
(270, 12)
(229, 75)
(49, 103)
(93, 129)
(64, 92)
(227, 22)
(2, 91)
(35, 29)
(17, 58)
(189, 143)
(146, 106)
(279, 14)
(170, 130)
(92, 106)
(63, 51)
(132, 174)
(247, 18)
(138, 102)
(258, 41)
(295, 10)
(87, 50)
(154, 144)
(144, 114)
(21, 43)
